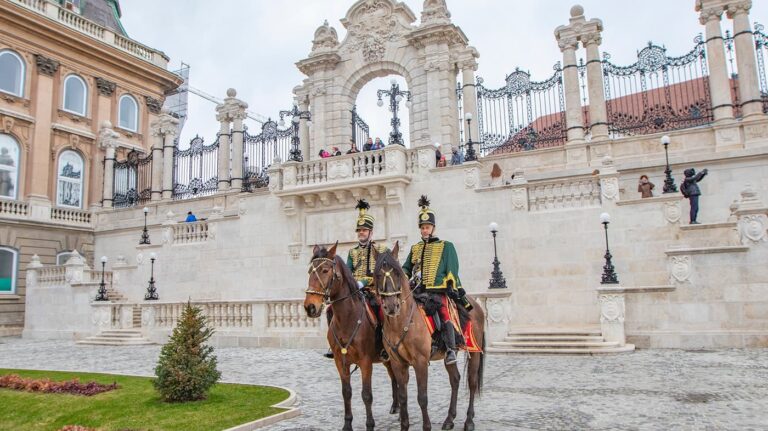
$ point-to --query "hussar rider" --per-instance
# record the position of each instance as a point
(361, 262)
(433, 266)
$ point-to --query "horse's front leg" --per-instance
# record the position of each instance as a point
(454, 376)
(400, 371)
(366, 370)
(422, 376)
(473, 380)
(346, 390)
(395, 403)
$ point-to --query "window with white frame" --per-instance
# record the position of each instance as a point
(63, 256)
(11, 73)
(75, 95)
(9, 167)
(70, 180)
(128, 113)
(8, 264)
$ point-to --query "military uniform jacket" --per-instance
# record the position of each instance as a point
(438, 263)
(360, 261)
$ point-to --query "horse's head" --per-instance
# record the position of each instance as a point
(389, 279)
(322, 274)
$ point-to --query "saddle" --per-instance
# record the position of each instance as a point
(429, 306)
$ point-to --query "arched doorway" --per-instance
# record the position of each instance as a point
(376, 112)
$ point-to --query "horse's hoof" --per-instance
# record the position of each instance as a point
(469, 426)
(447, 425)
(394, 410)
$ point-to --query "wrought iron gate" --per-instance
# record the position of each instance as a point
(360, 130)
(522, 115)
(658, 92)
(132, 179)
(196, 169)
(761, 45)
(261, 150)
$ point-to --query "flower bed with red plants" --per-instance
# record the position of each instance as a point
(74, 387)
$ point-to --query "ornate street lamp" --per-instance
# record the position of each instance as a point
(145, 233)
(395, 97)
(102, 293)
(497, 278)
(669, 182)
(151, 290)
(296, 116)
(470, 155)
(609, 276)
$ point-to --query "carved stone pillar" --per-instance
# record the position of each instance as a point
(237, 151)
(749, 89)
(304, 129)
(223, 162)
(158, 165)
(598, 113)
(231, 110)
(719, 83)
(169, 145)
(612, 314)
(469, 98)
(108, 141)
(165, 129)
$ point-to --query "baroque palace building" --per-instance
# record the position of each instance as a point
(67, 67)
(545, 157)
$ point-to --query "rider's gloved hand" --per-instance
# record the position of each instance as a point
(360, 285)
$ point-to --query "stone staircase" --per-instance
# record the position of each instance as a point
(117, 337)
(569, 341)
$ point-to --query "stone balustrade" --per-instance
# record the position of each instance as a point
(71, 216)
(13, 209)
(48, 276)
(75, 21)
(289, 314)
(564, 194)
(191, 233)
(43, 212)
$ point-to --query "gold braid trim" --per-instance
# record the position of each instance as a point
(432, 256)
(359, 256)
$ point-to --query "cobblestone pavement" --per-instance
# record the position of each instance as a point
(645, 390)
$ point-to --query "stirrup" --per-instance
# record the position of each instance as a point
(450, 357)
(384, 356)
(328, 354)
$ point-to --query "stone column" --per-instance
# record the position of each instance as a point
(469, 98)
(223, 153)
(719, 84)
(237, 151)
(749, 89)
(40, 154)
(304, 130)
(158, 165)
(108, 141)
(576, 152)
(169, 145)
(165, 128)
(598, 113)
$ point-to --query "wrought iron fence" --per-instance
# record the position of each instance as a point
(132, 179)
(522, 115)
(196, 169)
(360, 130)
(658, 92)
(761, 45)
(261, 150)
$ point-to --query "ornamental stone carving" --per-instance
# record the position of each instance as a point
(435, 12)
(46, 66)
(148, 317)
(611, 308)
(339, 170)
(739, 8)
(373, 24)
(496, 312)
(326, 39)
(610, 187)
(519, 199)
(471, 177)
(752, 228)
(713, 13)
(680, 268)
(672, 212)
(106, 88)
(154, 105)
(426, 159)
(102, 317)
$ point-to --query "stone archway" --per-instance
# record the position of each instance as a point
(383, 38)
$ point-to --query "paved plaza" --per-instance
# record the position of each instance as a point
(645, 390)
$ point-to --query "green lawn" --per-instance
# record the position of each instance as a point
(134, 406)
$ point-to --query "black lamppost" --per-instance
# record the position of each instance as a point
(395, 97)
(151, 290)
(497, 278)
(669, 182)
(296, 116)
(470, 155)
(145, 233)
(102, 293)
(609, 276)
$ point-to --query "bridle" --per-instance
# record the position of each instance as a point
(314, 267)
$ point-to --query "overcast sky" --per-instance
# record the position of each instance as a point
(253, 45)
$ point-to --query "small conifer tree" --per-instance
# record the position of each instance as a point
(186, 369)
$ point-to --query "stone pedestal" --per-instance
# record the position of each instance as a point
(612, 312)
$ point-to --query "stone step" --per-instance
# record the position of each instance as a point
(121, 335)
(110, 342)
(555, 344)
(564, 351)
(585, 338)
(516, 332)
(709, 234)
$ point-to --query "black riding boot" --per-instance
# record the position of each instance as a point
(449, 337)
(329, 316)
(383, 355)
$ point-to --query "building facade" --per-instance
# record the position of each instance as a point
(66, 68)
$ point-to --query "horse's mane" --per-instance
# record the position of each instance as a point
(387, 258)
(346, 275)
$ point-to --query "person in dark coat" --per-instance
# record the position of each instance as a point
(690, 190)
(645, 187)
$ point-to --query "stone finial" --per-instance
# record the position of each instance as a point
(435, 12)
(34, 262)
(108, 138)
(231, 92)
(232, 108)
(577, 10)
(326, 39)
(75, 260)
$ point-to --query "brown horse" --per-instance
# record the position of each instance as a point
(408, 341)
(351, 334)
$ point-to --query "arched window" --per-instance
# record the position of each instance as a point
(128, 113)
(9, 167)
(11, 73)
(8, 264)
(75, 95)
(63, 256)
(70, 180)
